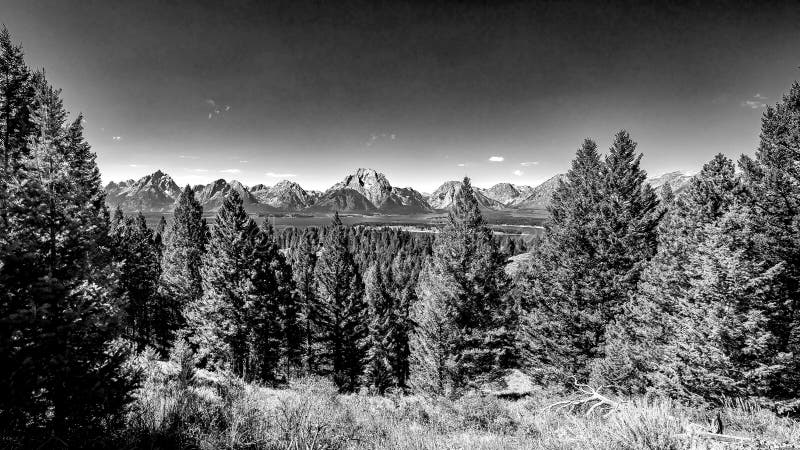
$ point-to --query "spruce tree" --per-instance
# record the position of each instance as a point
(304, 260)
(641, 348)
(378, 372)
(341, 318)
(180, 284)
(237, 321)
(601, 231)
(772, 183)
(466, 280)
(60, 377)
(137, 259)
(288, 303)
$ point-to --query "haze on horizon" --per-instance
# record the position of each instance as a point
(502, 91)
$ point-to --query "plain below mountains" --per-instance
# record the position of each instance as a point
(364, 191)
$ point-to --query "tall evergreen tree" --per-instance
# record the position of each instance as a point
(602, 230)
(59, 375)
(304, 261)
(288, 303)
(378, 372)
(137, 258)
(237, 321)
(467, 282)
(341, 318)
(772, 182)
(641, 349)
(181, 283)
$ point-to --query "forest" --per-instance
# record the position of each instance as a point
(641, 319)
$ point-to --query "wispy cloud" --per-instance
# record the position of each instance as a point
(198, 170)
(380, 137)
(230, 171)
(280, 175)
(137, 165)
(243, 161)
(529, 163)
(188, 157)
(756, 102)
(518, 173)
(216, 109)
(461, 165)
(496, 159)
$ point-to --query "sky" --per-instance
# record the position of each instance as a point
(424, 92)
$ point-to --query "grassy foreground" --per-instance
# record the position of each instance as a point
(179, 407)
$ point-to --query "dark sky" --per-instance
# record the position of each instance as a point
(423, 91)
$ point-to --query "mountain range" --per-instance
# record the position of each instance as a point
(364, 191)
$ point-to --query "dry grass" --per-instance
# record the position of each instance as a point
(185, 409)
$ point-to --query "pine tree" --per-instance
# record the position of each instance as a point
(59, 269)
(466, 280)
(602, 230)
(158, 236)
(341, 318)
(432, 366)
(378, 372)
(181, 284)
(237, 321)
(304, 260)
(137, 258)
(288, 303)
(772, 182)
(641, 347)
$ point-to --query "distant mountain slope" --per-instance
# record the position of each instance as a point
(541, 195)
(365, 191)
(376, 190)
(343, 199)
(153, 193)
(442, 198)
(677, 180)
(212, 195)
(506, 193)
(286, 195)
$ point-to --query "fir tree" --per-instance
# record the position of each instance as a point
(137, 258)
(237, 321)
(378, 373)
(643, 341)
(772, 182)
(601, 231)
(304, 260)
(466, 280)
(62, 376)
(341, 318)
(180, 284)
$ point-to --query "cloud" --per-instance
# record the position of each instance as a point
(461, 165)
(380, 137)
(756, 102)
(496, 159)
(280, 175)
(243, 161)
(518, 173)
(230, 171)
(216, 110)
(188, 157)
(198, 170)
(137, 165)
(529, 163)
(116, 138)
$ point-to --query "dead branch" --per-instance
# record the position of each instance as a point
(589, 397)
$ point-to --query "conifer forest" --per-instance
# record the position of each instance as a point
(637, 317)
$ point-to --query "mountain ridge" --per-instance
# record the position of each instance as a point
(363, 191)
